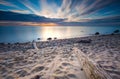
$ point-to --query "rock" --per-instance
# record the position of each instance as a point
(37, 69)
(71, 75)
(58, 71)
(85, 41)
(18, 59)
(10, 65)
(65, 64)
(9, 77)
(46, 55)
(3, 70)
(49, 61)
(59, 77)
(81, 69)
(22, 73)
(36, 77)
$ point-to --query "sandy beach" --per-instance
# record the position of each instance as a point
(60, 59)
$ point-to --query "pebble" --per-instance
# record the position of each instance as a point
(22, 73)
(36, 77)
(37, 69)
(9, 77)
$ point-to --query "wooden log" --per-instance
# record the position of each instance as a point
(92, 70)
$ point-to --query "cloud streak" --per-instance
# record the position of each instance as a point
(6, 3)
(10, 16)
(69, 11)
(48, 9)
(33, 20)
(81, 9)
(21, 11)
(29, 5)
(95, 6)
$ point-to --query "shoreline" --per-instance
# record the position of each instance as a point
(42, 44)
(59, 55)
(45, 40)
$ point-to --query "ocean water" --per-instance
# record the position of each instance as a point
(12, 34)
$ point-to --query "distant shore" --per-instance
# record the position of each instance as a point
(22, 61)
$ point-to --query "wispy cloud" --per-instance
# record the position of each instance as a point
(69, 10)
(34, 20)
(21, 11)
(65, 9)
(48, 10)
(6, 3)
(10, 16)
(29, 5)
(95, 6)
(75, 10)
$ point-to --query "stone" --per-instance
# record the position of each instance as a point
(65, 64)
(3, 70)
(36, 77)
(71, 75)
(9, 77)
(22, 73)
(37, 69)
(81, 69)
(59, 77)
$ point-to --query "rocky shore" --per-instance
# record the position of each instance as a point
(57, 59)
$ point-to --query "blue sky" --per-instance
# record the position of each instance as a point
(73, 12)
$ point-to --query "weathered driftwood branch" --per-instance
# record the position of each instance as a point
(92, 70)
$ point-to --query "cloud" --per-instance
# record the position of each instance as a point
(106, 21)
(21, 11)
(29, 5)
(65, 9)
(69, 11)
(11, 16)
(95, 6)
(75, 10)
(6, 3)
(48, 9)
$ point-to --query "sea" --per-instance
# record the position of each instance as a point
(13, 34)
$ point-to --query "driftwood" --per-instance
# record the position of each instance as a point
(92, 70)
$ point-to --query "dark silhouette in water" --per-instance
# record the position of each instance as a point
(55, 38)
(38, 38)
(49, 39)
(97, 33)
(116, 31)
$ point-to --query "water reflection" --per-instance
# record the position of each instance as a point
(29, 33)
(59, 32)
(52, 32)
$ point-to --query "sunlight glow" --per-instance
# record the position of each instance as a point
(48, 24)
(50, 32)
(26, 23)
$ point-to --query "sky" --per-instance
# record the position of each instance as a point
(59, 12)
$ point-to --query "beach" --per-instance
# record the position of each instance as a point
(62, 58)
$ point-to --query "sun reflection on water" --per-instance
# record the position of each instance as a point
(50, 32)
